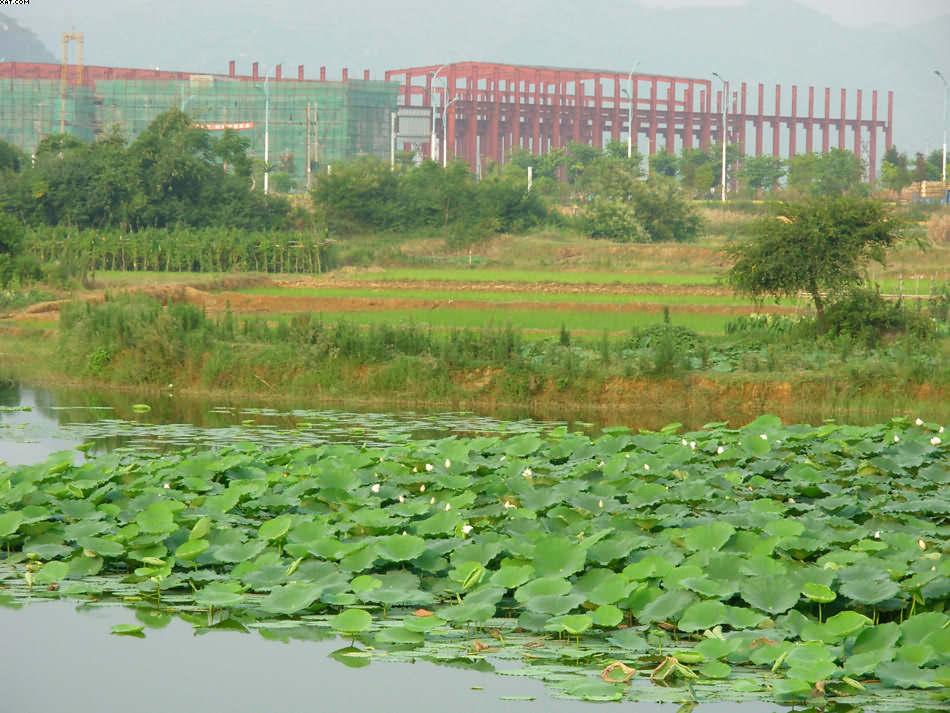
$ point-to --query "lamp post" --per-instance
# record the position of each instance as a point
(266, 91)
(946, 96)
(725, 103)
(445, 132)
(632, 110)
(435, 75)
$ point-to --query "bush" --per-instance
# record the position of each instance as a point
(862, 313)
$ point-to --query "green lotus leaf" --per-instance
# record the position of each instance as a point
(291, 598)
(591, 690)
(877, 638)
(543, 586)
(352, 621)
(9, 522)
(554, 604)
(400, 548)
(219, 595)
(512, 576)
(573, 624)
(157, 517)
(708, 537)
(134, 630)
(558, 557)
(400, 636)
(818, 593)
(864, 664)
(52, 572)
(668, 606)
(102, 546)
(846, 623)
(791, 688)
(755, 444)
(715, 670)
(607, 616)
(702, 615)
(712, 649)
(903, 674)
(275, 528)
(770, 594)
(365, 583)
(191, 549)
(917, 654)
(865, 584)
(709, 588)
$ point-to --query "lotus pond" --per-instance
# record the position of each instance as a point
(777, 563)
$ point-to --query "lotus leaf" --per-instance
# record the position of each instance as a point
(400, 548)
(769, 593)
(352, 621)
(702, 615)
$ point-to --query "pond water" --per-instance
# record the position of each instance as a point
(71, 644)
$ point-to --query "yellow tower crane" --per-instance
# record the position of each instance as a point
(64, 77)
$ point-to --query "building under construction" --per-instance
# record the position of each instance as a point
(308, 123)
(484, 111)
(490, 110)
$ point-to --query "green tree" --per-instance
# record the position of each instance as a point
(663, 163)
(760, 174)
(835, 173)
(820, 246)
(895, 174)
(619, 206)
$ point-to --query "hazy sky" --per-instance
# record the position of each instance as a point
(853, 13)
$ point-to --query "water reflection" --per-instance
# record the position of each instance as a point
(228, 671)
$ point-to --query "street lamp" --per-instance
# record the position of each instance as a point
(632, 110)
(445, 132)
(725, 103)
(946, 96)
(435, 75)
(266, 91)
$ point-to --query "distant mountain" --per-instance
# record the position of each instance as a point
(770, 41)
(18, 44)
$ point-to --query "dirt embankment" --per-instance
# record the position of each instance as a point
(216, 296)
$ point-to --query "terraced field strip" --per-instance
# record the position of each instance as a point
(476, 295)
(547, 321)
(558, 276)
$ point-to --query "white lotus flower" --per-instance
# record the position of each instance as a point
(940, 430)
(375, 487)
(763, 437)
(429, 467)
(166, 486)
(432, 500)
(922, 544)
(600, 503)
(935, 441)
(684, 441)
(502, 458)
(896, 439)
(919, 422)
(508, 505)
(402, 498)
(422, 488)
(466, 529)
(448, 463)
(646, 466)
(448, 506)
(527, 473)
(720, 450)
(692, 445)
(877, 534)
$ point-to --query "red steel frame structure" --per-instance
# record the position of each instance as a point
(497, 108)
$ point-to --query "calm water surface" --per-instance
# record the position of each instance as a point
(61, 656)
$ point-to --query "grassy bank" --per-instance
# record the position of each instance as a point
(135, 341)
